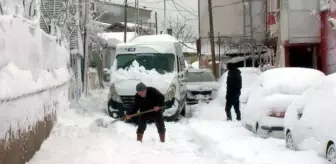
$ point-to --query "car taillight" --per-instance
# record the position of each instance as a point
(274, 113)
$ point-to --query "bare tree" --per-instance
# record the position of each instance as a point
(181, 30)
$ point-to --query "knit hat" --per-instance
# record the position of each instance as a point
(140, 87)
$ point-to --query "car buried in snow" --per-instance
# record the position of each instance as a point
(201, 85)
(310, 121)
(157, 61)
(249, 77)
(271, 95)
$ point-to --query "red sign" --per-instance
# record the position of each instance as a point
(271, 18)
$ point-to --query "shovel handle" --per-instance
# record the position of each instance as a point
(136, 114)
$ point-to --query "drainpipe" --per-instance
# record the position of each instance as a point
(324, 40)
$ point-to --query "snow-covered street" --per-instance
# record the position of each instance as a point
(76, 139)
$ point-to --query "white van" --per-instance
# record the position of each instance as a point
(160, 52)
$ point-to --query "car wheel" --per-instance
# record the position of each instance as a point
(183, 112)
(290, 141)
(331, 153)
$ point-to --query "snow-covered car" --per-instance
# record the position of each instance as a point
(249, 77)
(201, 85)
(271, 95)
(155, 60)
(311, 120)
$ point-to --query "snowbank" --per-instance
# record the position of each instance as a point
(37, 51)
(149, 77)
(289, 80)
(30, 69)
(29, 64)
(195, 64)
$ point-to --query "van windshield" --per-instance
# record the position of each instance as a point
(160, 62)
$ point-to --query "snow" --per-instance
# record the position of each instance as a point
(114, 38)
(195, 65)
(289, 80)
(77, 139)
(155, 38)
(27, 66)
(133, 25)
(312, 130)
(125, 78)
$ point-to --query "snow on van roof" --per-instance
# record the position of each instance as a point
(154, 38)
(290, 80)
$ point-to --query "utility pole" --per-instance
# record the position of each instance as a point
(138, 29)
(251, 31)
(86, 45)
(212, 40)
(125, 22)
(165, 14)
(156, 24)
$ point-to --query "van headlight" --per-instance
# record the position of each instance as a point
(170, 93)
(114, 95)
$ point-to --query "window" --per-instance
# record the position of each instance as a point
(200, 77)
(160, 62)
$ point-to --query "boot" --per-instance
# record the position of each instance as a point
(162, 137)
(139, 137)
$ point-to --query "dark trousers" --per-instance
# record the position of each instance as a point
(158, 120)
(228, 106)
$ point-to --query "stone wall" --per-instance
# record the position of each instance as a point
(32, 119)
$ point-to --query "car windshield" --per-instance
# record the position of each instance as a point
(199, 77)
(162, 63)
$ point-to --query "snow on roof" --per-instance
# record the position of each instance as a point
(133, 25)
(101, 23)
(114, 38)
(155, 38)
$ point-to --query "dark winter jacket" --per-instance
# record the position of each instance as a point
(153, 98)
(233, 83)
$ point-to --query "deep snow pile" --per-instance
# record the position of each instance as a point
(77, 139)
(149, 77)
(30, 61)
(289, 80)
(29, 64)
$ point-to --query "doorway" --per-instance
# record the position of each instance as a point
(302, 57)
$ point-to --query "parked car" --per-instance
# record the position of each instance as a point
(271, 95)
(201, 85)
(311, 120)
(249, 77)
(160, 52)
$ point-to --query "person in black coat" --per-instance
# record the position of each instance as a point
(148, 98)
(234, 85)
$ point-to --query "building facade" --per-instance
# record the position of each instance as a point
(111, 13)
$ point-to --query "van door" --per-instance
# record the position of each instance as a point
(181, 78)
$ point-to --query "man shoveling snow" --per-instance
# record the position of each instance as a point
(148, 98)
